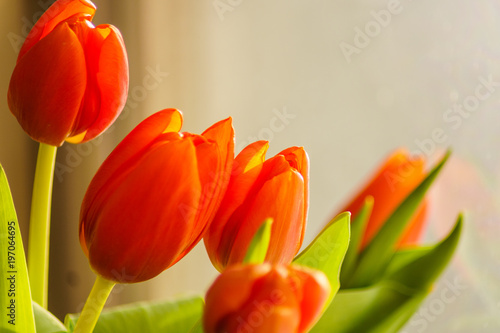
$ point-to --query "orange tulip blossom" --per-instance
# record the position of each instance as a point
(71, 78)
(265, 298)
(151, 200)
(276, 188)
(395, 179)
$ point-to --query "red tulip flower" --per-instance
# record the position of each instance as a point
(395, 179)
(276, 188)
(151, 200)
(265, 298)
(71, 78)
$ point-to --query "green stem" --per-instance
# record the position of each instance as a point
(38, 250)
(93, 307)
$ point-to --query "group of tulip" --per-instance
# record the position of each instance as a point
(161, 190)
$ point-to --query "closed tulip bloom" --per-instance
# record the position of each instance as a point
(265, 298)
(151, 200)
(393, 181)
(71, 78)
(276, 188)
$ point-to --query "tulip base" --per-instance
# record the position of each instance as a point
(38, 249)
(94, 305)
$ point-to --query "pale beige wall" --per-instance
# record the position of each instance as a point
(264, 58)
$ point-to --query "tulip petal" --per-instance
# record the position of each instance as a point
(237, 190)
(250, 157)
(111, 82)
(148, 240)
(208, 164)
(299, 160)
(272, 305)
(229, 291)
(280, 197)
(314, 290)
(60, 11)
(222, 133)
(47, 86)
(391, 183)
(246, 168)
(137, 141)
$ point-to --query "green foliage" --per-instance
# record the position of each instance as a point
(377, 255)
(327, 250)
(358, 227)
(171, 316)
(385, 306)
(15, 298)
(46, 322)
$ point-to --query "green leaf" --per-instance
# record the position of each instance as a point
(171, 316)
(257, 250)
(428, 265)
(377, 255)
(326, 252)
(358, 227)
(46, 322)
(15, 297)
(387, 305)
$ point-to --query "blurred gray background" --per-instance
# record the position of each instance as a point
(348, 80)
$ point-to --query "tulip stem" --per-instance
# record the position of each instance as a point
(39, 230)
(93, 306)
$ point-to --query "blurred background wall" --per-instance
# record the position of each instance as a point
(348, 80)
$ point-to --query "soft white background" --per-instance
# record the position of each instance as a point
(268, 57)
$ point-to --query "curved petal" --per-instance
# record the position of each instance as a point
(111, 81)
(208, 166)
(92, 41)
(299, 160)
(58, 12)
(274, 299)
(281, 197)
(222, 133)
(130, 149)
(144, 211)
(229, 292)
(236, 193)
(313, 292)
(390, 184)
(47, 86)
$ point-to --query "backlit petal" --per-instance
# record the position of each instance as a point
(47, 86)
(142, 225)
(60, 11)
(112, 78)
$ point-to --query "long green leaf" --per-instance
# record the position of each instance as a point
(326, 252)
(378, 253)
(387, 305)
(171, 316)
(358, 227)
(15, 298)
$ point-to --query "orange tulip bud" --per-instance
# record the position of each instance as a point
(265, 298)
(152, 198)
(395, 179)
(71, 78)
(276, 188)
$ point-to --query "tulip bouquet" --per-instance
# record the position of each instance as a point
(161, 191)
